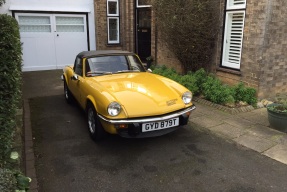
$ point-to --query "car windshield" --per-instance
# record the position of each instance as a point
(103, 65)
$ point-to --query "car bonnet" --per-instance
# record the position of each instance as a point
(143, 94)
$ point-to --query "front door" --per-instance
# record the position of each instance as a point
(143, 41)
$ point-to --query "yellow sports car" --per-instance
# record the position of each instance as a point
(121, 97)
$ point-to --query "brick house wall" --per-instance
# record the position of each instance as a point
(127, 20)
(264, 57)
(166, 57)
(273, 73)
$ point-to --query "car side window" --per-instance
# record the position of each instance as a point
(78, 67)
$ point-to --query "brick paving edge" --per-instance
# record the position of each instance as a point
(30, 170)
(224, 108)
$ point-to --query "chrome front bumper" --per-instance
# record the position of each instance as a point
(146, 120)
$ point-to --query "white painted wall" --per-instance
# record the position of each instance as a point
(55, 5)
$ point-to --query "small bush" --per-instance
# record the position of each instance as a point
(207, 85)
(189, 82)
(200, 78)
(246, 94)
(215, 91)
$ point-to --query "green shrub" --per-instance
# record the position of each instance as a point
(215, 91)
(189, 82)
(200, 78)
(202, 83)
(245, 94)
(10, 78)
(167, 72)
(8, 180)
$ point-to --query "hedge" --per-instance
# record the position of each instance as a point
(10, 95)
(10, 78)
(2, 2)
(8, 180)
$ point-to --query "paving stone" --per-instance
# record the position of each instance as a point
(228, 130)
(247, 114)
(261, 111)
(206, 121)
(238, 122)
(259, 119)
(279, 153)
(256, 143)
(195, 113)
(266, 132)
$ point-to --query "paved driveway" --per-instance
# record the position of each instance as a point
(190, 159)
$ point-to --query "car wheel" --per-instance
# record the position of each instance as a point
(95, 127)
(67, 93)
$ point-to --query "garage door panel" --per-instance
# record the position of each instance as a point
(70, 38)
(68, 48)
(38, 54)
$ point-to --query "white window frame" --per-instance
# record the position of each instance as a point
(118, 31)
(117, 12)
(141, 6)
(113, 16)
(231, 6)
(227, 60)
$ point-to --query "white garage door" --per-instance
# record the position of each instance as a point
(51, 41)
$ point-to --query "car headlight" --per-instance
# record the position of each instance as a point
(187, 97)
(114, 109)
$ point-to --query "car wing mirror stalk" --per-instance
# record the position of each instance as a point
(75, 77)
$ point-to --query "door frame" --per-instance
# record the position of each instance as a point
(136, 27)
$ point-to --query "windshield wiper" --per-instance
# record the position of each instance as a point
(127, 71)
(99, 73)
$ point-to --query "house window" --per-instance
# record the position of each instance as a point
(233, 35)
(113, 19)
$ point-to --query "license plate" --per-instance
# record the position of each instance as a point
(153, 126)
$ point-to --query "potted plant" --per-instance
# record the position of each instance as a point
(277, 115)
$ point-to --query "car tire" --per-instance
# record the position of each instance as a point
(67, 93)
(95, 127)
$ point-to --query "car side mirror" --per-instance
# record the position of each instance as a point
(149, 70)
(75, 77)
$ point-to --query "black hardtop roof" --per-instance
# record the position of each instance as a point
(88, 54)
